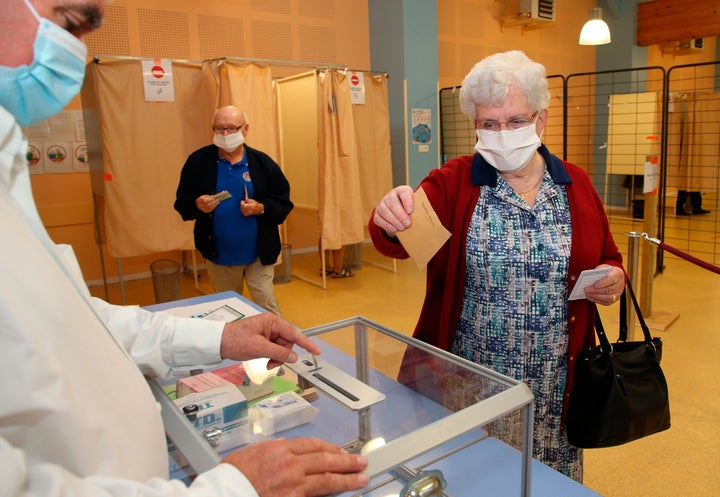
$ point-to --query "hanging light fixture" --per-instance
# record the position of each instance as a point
(595, 31)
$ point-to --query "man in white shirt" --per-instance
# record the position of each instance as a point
(76, 415)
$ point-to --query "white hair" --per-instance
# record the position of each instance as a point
(489, 82)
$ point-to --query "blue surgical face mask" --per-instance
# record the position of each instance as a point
(37, 91)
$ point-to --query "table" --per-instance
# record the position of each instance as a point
(473, 463)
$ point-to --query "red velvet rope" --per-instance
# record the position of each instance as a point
(688, 257)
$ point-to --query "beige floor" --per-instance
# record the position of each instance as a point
(682, 461)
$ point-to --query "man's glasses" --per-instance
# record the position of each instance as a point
(514, 123)
(229, 129)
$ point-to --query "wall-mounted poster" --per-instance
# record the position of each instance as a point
(57, 144)
(421, 126)
(58, 157)
(158, 80)
(356, 82)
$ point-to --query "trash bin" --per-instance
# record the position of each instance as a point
(166, 280)
(352, 260)
(282, 270)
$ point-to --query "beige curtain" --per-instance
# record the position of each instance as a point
(144, 145)
(249, 86)
(694, 142)
(297, 110)
(339, 196)
(372, 131)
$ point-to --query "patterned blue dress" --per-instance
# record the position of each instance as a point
(514, 317)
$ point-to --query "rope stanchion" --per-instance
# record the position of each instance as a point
(684, 255)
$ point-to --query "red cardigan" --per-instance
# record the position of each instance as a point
(453, 191)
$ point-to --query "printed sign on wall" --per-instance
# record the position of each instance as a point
(57, 144)
(356, 82)
(421, 126)
(158, 80)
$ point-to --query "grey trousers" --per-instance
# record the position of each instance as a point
(259, 280)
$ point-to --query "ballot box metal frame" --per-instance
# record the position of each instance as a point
(448, 434)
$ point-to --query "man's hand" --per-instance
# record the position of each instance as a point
(263, 335)
(300, 467)
(251, 207)
(392, 214)
(206, 203)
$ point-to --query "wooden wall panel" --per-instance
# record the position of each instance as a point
(662, 21)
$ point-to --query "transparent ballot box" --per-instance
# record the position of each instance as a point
(429, 422)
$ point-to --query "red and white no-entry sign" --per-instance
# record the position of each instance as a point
(157, 72)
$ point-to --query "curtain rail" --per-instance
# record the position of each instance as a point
(271, 62)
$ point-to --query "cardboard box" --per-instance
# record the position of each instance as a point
(280, 412)
(198, 383)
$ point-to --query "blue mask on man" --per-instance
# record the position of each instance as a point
(37, 91)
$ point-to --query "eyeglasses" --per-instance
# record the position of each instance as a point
(514, 123)
(229, 129)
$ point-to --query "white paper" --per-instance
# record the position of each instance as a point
(356, 83)
(206, 308)
(587, 278)
(158, 81)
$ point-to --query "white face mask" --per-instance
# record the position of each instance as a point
(508, 150)
(230, 142)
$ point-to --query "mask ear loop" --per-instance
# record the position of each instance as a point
(32, 9)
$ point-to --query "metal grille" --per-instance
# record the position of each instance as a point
(457, 135)
(693, 160)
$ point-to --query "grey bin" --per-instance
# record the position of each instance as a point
(166, 280)
(283, 269)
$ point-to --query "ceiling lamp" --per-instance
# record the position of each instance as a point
(595, 31)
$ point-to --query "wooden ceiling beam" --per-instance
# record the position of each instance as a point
(663, 21)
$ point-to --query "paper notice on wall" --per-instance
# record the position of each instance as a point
(80, 157)
(58, 157)
(356, 82)
(35, 158)
(57, 144)
(421, 126)
(651, 175)
(158, 80)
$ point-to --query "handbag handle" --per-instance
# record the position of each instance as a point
(623, 316)
(600, 330)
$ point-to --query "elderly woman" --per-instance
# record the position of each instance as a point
(524, 225)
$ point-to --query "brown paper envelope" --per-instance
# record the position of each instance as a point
(426, 234)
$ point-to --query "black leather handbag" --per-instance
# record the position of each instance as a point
(620, 393)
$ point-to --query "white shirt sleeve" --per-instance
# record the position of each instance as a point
(23, 479)
(160, 343)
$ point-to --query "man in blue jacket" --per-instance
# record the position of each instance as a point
(236, 233)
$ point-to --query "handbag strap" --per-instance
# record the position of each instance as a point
(623, 315)
(602, 337)
(600, 330)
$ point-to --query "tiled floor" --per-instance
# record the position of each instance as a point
(679, 462)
